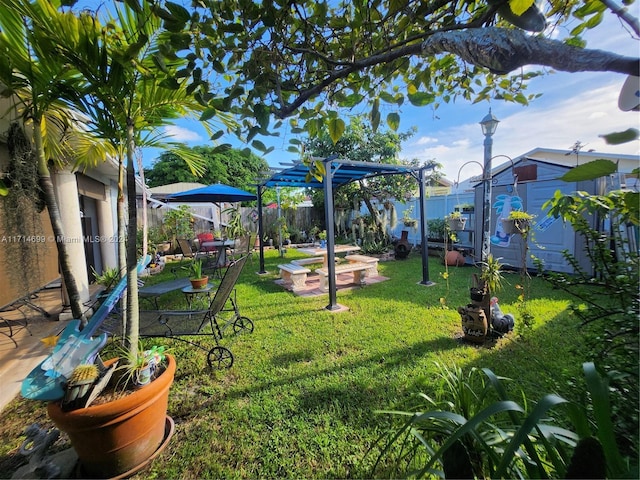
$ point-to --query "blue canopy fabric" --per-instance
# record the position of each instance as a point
(342, 172)
(218, 192)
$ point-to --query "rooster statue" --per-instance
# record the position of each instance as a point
(500, 322)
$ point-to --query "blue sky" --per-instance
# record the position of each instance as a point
(574, 107)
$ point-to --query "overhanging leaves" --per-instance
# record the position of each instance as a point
(590, 171)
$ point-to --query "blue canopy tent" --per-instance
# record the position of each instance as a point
(218, 192)
(342, 172)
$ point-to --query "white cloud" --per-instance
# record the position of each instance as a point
(179, 134)
(425, 140)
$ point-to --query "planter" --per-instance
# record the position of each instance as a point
(456, 224)
(163, 247)
(474, 323)
(453, 258)
(199, 283)
(477, 294)
(76, 393)
(515, 226)
(118, 436)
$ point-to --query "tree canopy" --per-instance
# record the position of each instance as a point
(362, 144)
(233, 167)
(310, 59)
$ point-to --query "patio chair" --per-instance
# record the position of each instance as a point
(223, 312)
(204, 238)
(242, 246)
(185, 248)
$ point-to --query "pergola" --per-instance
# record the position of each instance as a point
(342, 172)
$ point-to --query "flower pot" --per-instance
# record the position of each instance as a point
(512, 227)
(76, 392)
(453, 258)
(118, 436)
(477, 294)
(163, 247)
(199, 283)
(474, 323)
(456, 224)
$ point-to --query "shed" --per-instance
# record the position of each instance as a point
(530, 180)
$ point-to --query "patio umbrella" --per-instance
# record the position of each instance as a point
(218, 192)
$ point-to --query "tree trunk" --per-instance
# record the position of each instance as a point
(122, 234)
(56, 224)
(374, 211)
(133, 315)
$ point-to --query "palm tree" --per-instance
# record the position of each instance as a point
(130, 94)
(37, 83)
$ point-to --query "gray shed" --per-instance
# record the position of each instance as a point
(537, 174)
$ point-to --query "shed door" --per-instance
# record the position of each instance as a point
(550, 236)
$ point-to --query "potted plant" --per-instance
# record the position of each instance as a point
(322, 236)
(407, 220)
(456, 221)
(436, 230)
(476, 316)
(518, 222)
(234, 228)
(132, 424)
(108, 278)
(467, 207)
(488, 284)
(196, 277)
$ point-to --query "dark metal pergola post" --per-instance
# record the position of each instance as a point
(423, 231)
(328, 215)
(260, 230)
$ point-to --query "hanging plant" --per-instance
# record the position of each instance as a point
(518, 222)
(21, 208)
(456, 221)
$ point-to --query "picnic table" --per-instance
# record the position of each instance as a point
(322, 251)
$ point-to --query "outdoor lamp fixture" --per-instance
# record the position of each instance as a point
(489, 126)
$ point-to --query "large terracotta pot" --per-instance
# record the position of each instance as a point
(454, 258)
(115, 437)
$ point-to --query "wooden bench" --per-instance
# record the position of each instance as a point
(359, 270)
(293, 275)
(308, 261)
(371, 261)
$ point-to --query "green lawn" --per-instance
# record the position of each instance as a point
(300, 400)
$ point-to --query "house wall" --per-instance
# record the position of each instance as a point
(28, 255)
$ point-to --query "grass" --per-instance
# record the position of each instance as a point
(300, 400)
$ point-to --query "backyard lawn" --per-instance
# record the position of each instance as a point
(301, 399)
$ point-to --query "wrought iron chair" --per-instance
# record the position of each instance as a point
(223, 312)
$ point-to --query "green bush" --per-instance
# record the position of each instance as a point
(474, 429)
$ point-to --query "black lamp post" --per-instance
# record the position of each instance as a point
(489, 125)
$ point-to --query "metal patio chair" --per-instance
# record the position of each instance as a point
(223, 312)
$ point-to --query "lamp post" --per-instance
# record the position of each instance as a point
(489, 125)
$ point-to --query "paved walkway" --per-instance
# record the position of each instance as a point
(17, 361)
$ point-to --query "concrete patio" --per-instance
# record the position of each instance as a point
(23, 351)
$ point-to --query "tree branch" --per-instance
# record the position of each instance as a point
(498, 49)
(624, 15)
(502, 51)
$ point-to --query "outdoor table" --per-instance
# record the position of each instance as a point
(315, 251)
(221, 245)
(191, 294)
(152, 292)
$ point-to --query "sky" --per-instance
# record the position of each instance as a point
(574, 107)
